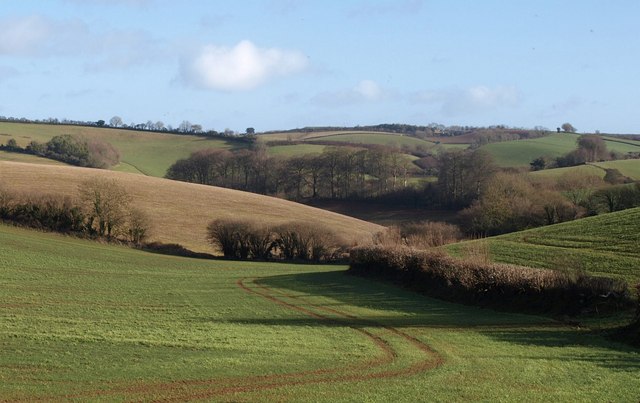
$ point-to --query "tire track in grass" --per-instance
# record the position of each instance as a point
(377, 368)
(430, 360)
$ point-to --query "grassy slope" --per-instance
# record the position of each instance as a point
(557, 172)
(88, 321)
(630, 168)
(295, 150)
(605, 245)
(144, 152)
(374, 138)
(179, 212)
(522, 152)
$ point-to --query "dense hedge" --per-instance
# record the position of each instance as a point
(499, 286)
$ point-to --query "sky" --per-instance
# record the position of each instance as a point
(284, 64)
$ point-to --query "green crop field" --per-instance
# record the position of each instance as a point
(374, 138)
(150, 153)
(630, 168)
(522, 152)
(604, 245)
(85, 321)
(590, 169)
(295, 150)
(519, 153)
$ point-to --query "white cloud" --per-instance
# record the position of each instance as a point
(40, 37)
(240, 68)
(364, 91)
(455, 102)
(23, 35)
(369, 90)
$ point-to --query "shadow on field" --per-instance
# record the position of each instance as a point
(339, 290)
(606, 354)
(396, 307)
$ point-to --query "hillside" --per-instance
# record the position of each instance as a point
(179, 212)
(520, 153)
(150, 153)
(604, 245)
(83, 321)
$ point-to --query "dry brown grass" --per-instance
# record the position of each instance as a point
(180, 212)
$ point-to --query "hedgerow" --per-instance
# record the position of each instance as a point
(500, 286)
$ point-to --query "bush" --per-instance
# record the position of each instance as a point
(299, 240)
(488, 284)
(54, 213)
(240, 239)
(419, 235)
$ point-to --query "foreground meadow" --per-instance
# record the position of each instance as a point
(85, 321)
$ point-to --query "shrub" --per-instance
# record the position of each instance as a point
(419, 235)
(489, 284)
(138, 226)
(299, 240)
(227, 235)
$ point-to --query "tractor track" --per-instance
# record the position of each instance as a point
(381, 367)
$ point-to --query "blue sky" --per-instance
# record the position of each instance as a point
(280, 64)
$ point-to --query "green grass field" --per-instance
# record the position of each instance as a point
(85, 321)
(149, 153)
(555, 173)
(386, 139)
(519, 153)
(604, 245)
(296, 150)
(630, 168)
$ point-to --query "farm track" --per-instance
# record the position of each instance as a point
(387, 365)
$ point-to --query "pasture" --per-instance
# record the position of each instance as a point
(85, 321)
(519, 153)
(604, 245)
(179, 212)
(149, 153)
(392, 140)
(630, 168)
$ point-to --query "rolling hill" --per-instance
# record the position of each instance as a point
(150, 153)
(519, 153)
(83, 321)
(604, 245)
(179, 212)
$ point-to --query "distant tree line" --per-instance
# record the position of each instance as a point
(336, 173)
(430, 130)
(185, 127)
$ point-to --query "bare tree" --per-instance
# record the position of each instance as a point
(115, 121)
(568, 128)
(106, 204)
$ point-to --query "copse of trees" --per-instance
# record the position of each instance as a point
(463, 176)
(337, 173)
(74, 150)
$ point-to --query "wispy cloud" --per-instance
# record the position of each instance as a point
(240, 68)
(456, 101)
(366, 91)
(36, 36)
